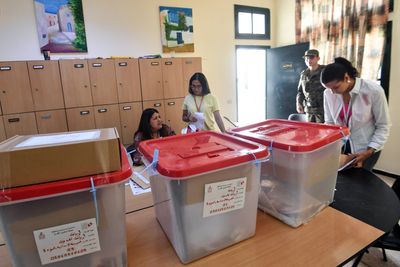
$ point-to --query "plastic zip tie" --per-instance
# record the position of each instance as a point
(93, 191)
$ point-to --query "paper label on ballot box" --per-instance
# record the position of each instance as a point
(225, 196)
(67, 241)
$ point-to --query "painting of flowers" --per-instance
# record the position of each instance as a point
(60, 26)
(176, 29)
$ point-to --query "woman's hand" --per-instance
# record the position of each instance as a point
(361, 157)
(192, 118)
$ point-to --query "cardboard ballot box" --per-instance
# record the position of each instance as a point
(74, 222)
(299, 179)
(33, 159)
(205, 190)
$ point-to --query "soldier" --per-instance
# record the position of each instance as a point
(310, 92)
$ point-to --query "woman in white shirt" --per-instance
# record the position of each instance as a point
(360, 105)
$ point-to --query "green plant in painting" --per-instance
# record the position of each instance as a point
(77, 12)
(182, 26)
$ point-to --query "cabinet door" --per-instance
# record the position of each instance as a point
(128, 80)
(172, 77)
(190, 65)
(80, 118)
(51, 121)
(76, 83)
(15, 90)
(130, 116)
(46, 84)
(173, 113)
(156, 104)
(103, 82)
(2, 130)
(20, 124)
(107, 116)
(151, 77)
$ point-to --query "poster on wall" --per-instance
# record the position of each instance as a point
(176, 29)
(60, 26)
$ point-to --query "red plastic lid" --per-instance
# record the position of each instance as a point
(292, 135)
(190, 154)
(25, 193)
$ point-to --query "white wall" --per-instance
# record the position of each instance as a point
(131, 28)
(389, 160)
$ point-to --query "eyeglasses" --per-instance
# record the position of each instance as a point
(196, 86)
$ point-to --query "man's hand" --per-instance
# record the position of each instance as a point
(299, 108)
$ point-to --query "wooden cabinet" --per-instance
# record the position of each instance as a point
(128, 80)
(51, 121)
(130, 117)
(20, 124)
(15, 90)
(2, 130)
(190, 65)
(76, 83)
(103, 82)
(151, 79)
(173, 114)
(156, 104)
(45, 81)
(172, 78)
(80, 118)
(107, 116)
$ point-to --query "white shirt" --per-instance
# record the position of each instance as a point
(370, 121)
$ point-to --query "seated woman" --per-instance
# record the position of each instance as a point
(150, 127)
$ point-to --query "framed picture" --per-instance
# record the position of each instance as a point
(60, 26)
(176, 29)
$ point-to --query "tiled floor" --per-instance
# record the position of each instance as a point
(374, 257)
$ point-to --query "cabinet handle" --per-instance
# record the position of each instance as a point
(94, 85)
(168, 63)
(46, 116)
(171, 103)
(36, 89)
(85, 112)
(120, 84)
(96, 65)
(38, 67)
(188, 62)
(102, 110)
(126, 108)
(85, 86)
(4, 92)
(78, 66)
(123, 64)
(13, 120)
(157, 105)
(5, 68)
(154, 63)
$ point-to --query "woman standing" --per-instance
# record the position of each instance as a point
(150, 127)
(360, 105)
(201, 104)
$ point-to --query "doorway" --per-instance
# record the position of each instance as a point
(251, 81)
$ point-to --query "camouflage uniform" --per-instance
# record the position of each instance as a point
(310, 94)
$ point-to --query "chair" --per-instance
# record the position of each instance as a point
(298, 117)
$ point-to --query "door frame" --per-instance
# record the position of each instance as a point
(264, 47)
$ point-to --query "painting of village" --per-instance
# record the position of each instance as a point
(60, 25)
(176, 29)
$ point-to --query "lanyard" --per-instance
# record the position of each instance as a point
(346, 113)
(201, 102)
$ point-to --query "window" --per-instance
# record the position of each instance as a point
(252, 22)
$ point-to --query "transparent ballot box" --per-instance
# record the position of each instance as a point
(74, 222)
(299, 179)
(205, 190)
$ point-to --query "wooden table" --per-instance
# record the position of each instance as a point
(328, 240)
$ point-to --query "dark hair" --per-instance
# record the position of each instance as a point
(144, 124)
(205, 89)
(336, 71)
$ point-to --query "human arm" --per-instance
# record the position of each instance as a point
(137, 156)
(219, 121)
(327, 107)
(300, 97)
(187, 117)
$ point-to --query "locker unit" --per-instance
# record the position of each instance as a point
(20, 124)
(15, 90)
(51, 121)
(76, 83)
(107, 116)
(45, 82)
(80, 118)
(103, 81)
(172, 77)
(173, 114)
(151, 79)
(190, 65)
(130, 117)
(2, 130)
(128, 80)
